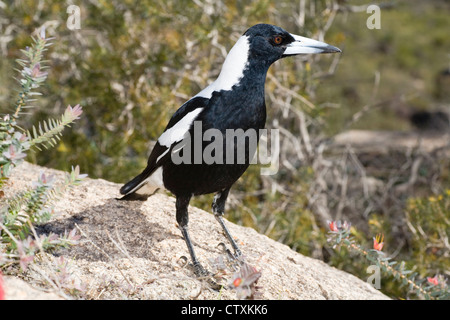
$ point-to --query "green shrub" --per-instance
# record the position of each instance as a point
(20, 211)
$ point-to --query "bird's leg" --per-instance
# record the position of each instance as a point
(182, 204)
(218, 207)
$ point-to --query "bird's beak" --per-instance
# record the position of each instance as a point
(303, 45)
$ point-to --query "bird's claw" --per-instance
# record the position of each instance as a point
(200, 271)
(236, 258)
(204, 274)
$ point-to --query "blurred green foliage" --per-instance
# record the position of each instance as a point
(427, 251)
(429, 221)
(409, 52)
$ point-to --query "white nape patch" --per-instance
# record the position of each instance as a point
(177, 132)
(232, 69)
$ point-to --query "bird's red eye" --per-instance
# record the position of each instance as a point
(277, 40)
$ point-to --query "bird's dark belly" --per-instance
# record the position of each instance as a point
(197, 179)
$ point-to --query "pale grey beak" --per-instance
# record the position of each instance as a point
(303, 45)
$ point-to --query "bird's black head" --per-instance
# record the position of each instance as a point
(269, 43)
(256, 50)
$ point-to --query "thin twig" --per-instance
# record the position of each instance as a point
(106, 254)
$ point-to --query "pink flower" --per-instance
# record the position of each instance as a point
(434, 281)
(13, 153)
(336, 226)
(37, 73)
(74, 112)
(244, 281)
(378, 242)
(2, 291)
(237, 282)
(26, 249)
(333, 226)
(21, 137)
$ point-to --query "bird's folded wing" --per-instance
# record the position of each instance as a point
(180, 123)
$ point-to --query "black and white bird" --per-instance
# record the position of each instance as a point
(235, 100)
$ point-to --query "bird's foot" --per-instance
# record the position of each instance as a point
(200, 271)
(235, 259)
(198, 268)
(204, 274)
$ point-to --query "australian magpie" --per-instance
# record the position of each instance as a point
(234, 101)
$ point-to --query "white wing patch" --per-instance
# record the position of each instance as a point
(177, 132)
(232, 70)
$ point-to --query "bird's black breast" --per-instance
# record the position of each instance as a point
(241, 108)
(233, 120)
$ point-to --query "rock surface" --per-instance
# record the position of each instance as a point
(17, 289)
(132, 250)
(384, 141)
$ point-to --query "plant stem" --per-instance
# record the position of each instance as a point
(390, 269)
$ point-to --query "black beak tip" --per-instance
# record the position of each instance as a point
(332, 49)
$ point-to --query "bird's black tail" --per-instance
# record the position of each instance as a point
(137, 182)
